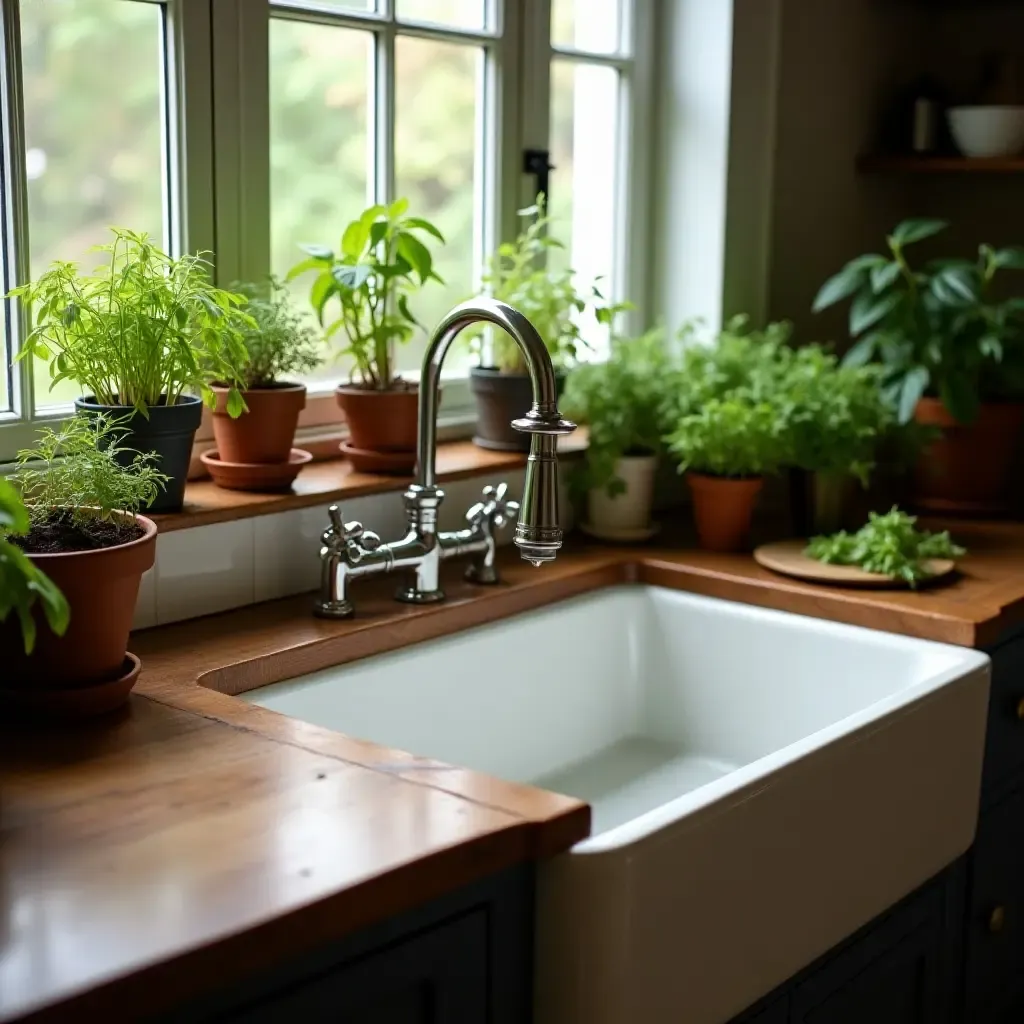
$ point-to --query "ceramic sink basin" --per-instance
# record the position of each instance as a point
(762, 783)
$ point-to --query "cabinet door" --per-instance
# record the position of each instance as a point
(890, 975)
(438, 977)
(995, 927)
(1004, 748)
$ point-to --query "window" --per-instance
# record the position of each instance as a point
(247, 127)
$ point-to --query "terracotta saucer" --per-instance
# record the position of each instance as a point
(255, 476)
(396, 463)
(80, 702)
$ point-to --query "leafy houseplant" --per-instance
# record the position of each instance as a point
(622, 401)
(280, 343)
(22, 584)
(145, 336)
(520, 273)
(382, 260)
(725, 448)
(82, 493)
(952, 356)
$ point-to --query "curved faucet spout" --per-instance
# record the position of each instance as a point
(537, 533)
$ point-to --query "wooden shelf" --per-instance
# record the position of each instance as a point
(881, 164)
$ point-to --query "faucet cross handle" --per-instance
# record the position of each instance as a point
(495, 508)
(353, 535)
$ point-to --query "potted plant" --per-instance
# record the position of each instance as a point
(382, 260)
(254, 450)
(725, 449)
(23, 586)
(82, 493)
(837, 417)
(952, 353)
(622, 401)
(520, 273)
(144, 335)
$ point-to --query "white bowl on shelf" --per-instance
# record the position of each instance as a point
(988, 131)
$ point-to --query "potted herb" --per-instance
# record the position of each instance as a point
(952, 353)
(837, 417)
(254, 450)
(82, 493)
(622, 401)
(725, 449)
(520, 273)
(144, 335)
(381, 261)
(23, 586)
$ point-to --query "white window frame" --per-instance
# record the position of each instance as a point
(218, 153)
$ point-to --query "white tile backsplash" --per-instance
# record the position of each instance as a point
(204, 569)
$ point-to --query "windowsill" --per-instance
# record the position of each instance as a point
(335, 479)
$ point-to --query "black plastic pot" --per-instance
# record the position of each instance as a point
(500, 399)
(168, 432)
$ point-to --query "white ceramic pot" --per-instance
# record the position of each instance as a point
(630, 510)
(988, 131)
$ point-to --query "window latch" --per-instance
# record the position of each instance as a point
(538, 163)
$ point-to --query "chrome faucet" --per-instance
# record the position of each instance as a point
(349, 551)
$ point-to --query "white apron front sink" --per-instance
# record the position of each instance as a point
(763, 783)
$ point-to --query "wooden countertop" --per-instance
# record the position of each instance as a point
(194, 839)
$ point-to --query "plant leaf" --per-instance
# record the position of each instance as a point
(884, 275)
(868, 309)
(351, 277)
(1009, 259)
(911, 231)
(318, 252)
(417, 254)
(353, 241)
(425, 225)
(862, 351)
(955, 286)
(838, 287)
(913, 387)
(960, 397)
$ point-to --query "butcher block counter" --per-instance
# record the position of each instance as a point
(193, 840)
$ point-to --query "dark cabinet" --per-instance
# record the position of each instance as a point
(1004, 745)
(995, 918)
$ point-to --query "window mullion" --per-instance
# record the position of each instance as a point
(15, 206)
(534, 90)
(384, 113)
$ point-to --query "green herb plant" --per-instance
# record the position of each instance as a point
(22, 584)
(281, 342)
(889, 544)
(939, 329)
(730, 437)
(522, 274)
(77, 476)
(141, 329)
(622, 401)
(382, 260)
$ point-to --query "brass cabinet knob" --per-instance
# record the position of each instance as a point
(997, 919)
(1020, 709)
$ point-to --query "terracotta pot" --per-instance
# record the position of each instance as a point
(724, 509)
(631, 509)
(264, 434)
(74, 703)
(966, 470)
(821, 502)
(101, 588)
(381, 421)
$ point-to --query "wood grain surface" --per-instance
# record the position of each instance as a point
(194, 839)
(335, 479)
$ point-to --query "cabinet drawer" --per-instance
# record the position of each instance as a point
(995, 926)
(1004, 751)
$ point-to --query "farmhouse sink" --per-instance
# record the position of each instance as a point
(762, 783)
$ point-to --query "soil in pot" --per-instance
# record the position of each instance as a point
(723, 508)
(264, 434)
(966, 470)
(630, 509)
(167, 432)
(500, 399)
(98, 568)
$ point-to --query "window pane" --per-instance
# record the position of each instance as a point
(584, 132)
(94, 126)
(342, 5)
(591, 25)
(319, 147)
(436, 91)
(459, 13)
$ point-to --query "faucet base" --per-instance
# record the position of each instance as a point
(481, 574)
(410, 595)
(334, 609)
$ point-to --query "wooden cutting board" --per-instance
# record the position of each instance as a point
(787, 557)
